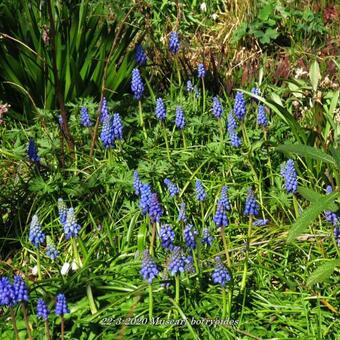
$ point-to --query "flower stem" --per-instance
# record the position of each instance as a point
(296, 206)
(14, 323)
(202, 212)
(245, 270)
(221, 134)
(142, 119)
(224, 303)
(47, 330)
(62, 327)
(184, 140)
(177, 289)
(245, 135)
(225, 245)
(150, 302)
(269, 160)
(38, 265)
(27, 324)
(195, 262)
(166, 140)
(153, 236)
(203, 90)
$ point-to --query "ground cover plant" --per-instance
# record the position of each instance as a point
(159, 203)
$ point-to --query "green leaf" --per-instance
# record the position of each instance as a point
(323, 272)
(310, 214)
(313, 196)
(314, 75)
(308, 152)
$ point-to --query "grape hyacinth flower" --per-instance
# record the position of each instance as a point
(71, 227)
(174, 42)
(137, 86)
(180, 120)
(224, 200)
(167, 236)
(155, 209)
(331, 216)
(182, 217)
(165, 280)
(140, 56)
(189, 265)
(231, 122)
(261, 116)
(217, 108)
(160, 111)
(149, 268)
(32, 151)
(62, 210)
(42, 309)
(221, 218)
(201, 70)
(36, 235)
(177, 261)
(251, 206)
(7, 297)
(137, 184)
(85, 117)
(221, 274)
(145, 197)
(200, 192)
(256, 91)
(190, 87)
(172, 187)
(106, 135)
(260, 222)
(20, 289)
(290, 176)
(61, 305)
(235, 140)
(51, 250)
(206, 237)
(104, 110)
(239, 106)
(117, 127)
(189, 235)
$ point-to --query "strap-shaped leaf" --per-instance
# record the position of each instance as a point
(310, 214)
(308, 152)
(323, 272)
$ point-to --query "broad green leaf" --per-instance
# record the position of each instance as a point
(283, 113)
(308, 152)
(313, 196)
(314, 75)
(323, 272)
(310, 214)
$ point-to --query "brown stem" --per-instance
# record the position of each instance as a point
(107, 60)
(14, 323)
(28, 327)
(58, 89)
(47, 330)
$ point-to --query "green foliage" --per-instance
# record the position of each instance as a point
(280, 23)
(84, 36)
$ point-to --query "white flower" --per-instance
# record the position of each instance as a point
(300, 72)
(65, 268)
(203, 7)
(74, 265)
(35, 270)
(214, 16)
